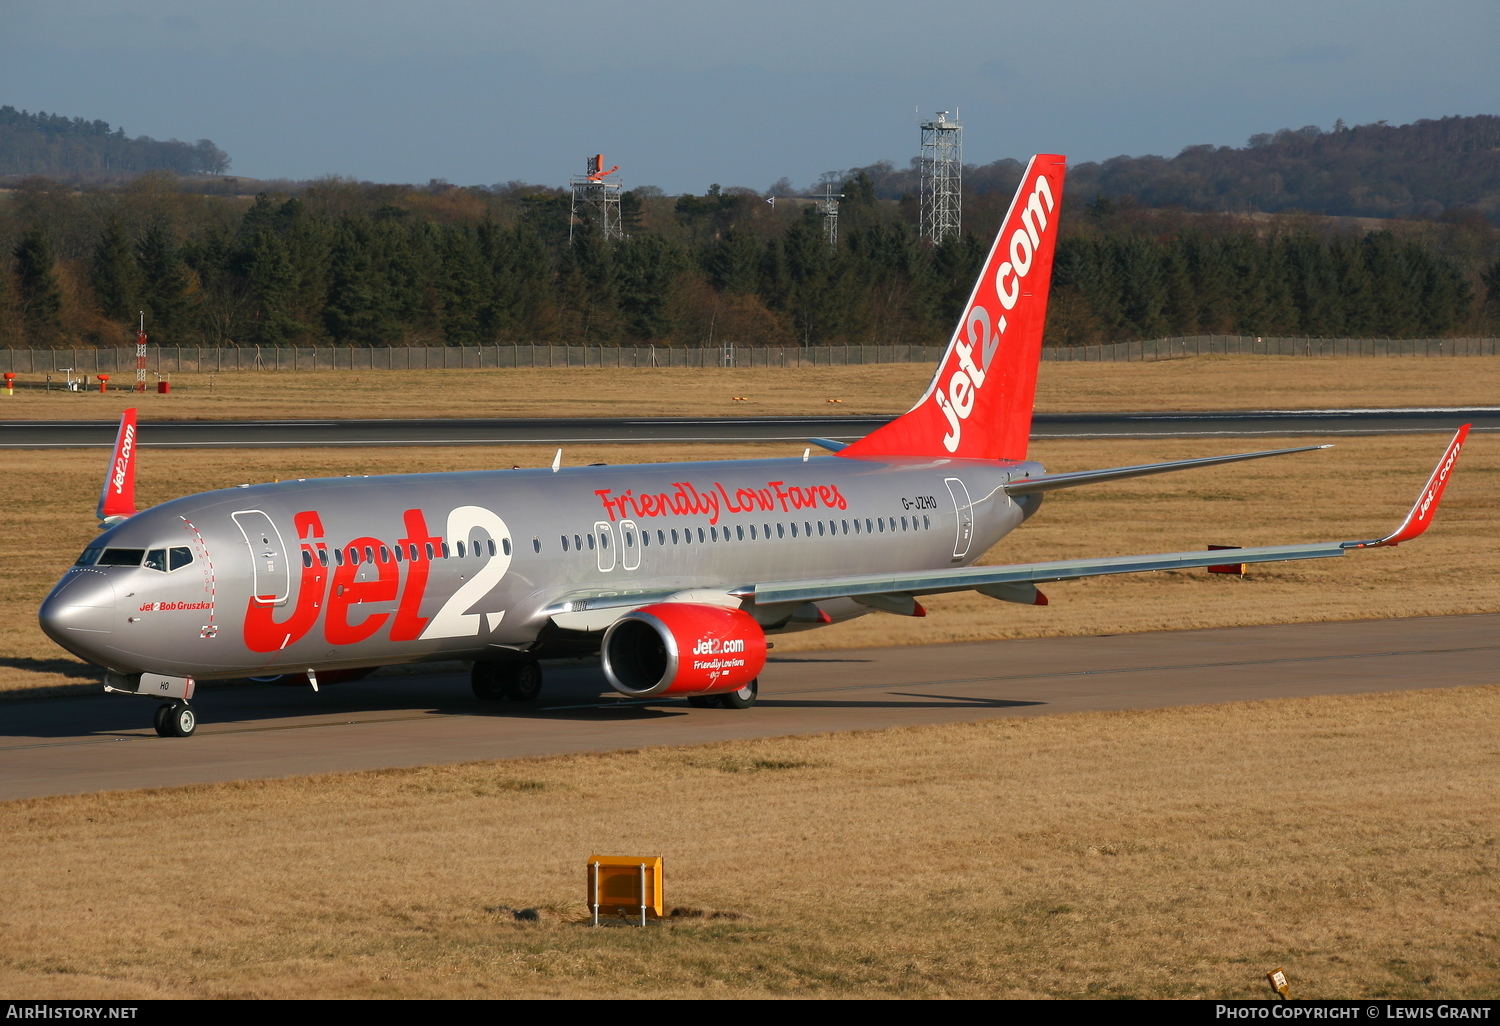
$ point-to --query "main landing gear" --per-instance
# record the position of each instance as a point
(744, 698)
(175, 719)
(519, 680)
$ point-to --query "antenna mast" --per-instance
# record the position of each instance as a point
(596, 200)
(942, 166)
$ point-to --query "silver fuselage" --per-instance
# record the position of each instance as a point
(249, 603)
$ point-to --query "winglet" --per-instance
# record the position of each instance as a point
(1420, 517)
(117, 497)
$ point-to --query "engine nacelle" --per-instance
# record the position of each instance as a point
(682, 648)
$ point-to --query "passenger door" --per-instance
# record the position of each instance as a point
(268, 558)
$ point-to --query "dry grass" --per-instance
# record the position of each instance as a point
(1199, 383)
(1173, 853)
(1357, 490)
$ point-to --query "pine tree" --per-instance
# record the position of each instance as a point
(114, 275)
(37, 287)
(164, 285)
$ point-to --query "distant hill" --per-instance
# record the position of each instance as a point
(50, 144)
(1420, 170)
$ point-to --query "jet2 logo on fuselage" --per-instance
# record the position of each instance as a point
(331, 589)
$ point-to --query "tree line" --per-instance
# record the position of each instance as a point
(50, 144)
(345, 263)
(1425, 169)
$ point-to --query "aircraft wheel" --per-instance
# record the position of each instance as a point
(705, 702)
(485, 680)
(159, 719)
(181, 720)
(744, 698)
(522, 680)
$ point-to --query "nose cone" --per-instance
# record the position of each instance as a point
(79, 614)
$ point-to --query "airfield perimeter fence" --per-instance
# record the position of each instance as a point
(222, 359)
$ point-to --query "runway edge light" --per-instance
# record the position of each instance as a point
(1277, 977)
(628, 886)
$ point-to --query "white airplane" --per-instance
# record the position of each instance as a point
(675, 573)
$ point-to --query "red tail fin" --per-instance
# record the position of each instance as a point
(979, 403)
(117, 499)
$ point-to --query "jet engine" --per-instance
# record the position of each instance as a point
(682, 648)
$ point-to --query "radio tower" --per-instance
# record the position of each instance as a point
(597, 200)
(942, 166)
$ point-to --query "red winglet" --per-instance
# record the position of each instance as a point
(117, 499)
(1420, 517)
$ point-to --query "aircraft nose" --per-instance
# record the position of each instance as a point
(81, 609)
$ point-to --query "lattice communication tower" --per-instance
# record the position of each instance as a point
(942, 166)
(829, 208)
(596, 200)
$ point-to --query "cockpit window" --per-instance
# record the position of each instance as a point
(179, 557)
(89, 557)
(122, 557)
(156, 559)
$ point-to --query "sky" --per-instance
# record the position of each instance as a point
(684, 94)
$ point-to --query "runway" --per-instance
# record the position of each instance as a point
(560, 431)
(80, 744)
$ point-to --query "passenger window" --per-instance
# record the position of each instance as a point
(739, 532)
(536, 544)
(306, 557)
(578, 542)
(445, 549)
(338, 556)
(322, 557)
(369, 554)
(645, 539)
(700, 535)
(856, 527)
(89, 557)
(752, 532)
(385, 554)
(713, 533)
(662, 538)
(780, 531)
(504, 544)
(674, 536)
(590, 537)
(903, 523)
(926, 523)
(411, 552)
(156, 559)
(503, 541)
(603, 540)
(869, 529)
(460, 550)
(630, 539)
(881, 524)
(353, 556)
(430, 554)
(399, 554)
(820, 528)
(122, 557)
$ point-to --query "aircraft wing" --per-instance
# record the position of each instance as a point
(1012, 581)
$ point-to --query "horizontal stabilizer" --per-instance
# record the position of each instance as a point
(1050, 482)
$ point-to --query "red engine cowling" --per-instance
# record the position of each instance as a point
(680, 648)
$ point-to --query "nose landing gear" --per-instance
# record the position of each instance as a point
(175, 719)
